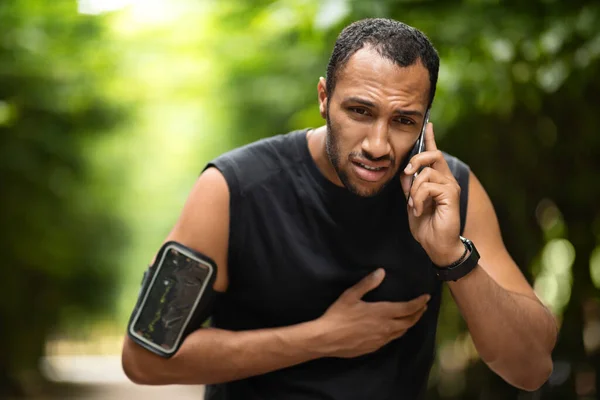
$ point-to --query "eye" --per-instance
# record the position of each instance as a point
(359, 110)
(405, 121)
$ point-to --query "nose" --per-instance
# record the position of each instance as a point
(376, 143)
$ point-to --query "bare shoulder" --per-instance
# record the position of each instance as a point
(204, 221)
(482, 227)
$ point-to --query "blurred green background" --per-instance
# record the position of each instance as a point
(110, 109)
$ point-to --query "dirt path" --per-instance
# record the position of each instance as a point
(126, 391)
(101, 378)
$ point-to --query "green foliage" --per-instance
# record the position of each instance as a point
(59, 234)
(517, 100)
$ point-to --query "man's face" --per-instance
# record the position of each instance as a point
(373, 119)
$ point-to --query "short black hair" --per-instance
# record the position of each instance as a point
(396, 41)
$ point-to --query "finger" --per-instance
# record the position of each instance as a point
(430, 144)
(365, 285)
(412, 319)
(430, 158)
(427, 175)
(396, 314)
(409, 181)
(404, 308)
(398, 334)
(400, 326)
(441, 194)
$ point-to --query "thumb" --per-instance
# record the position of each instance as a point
(366, 284)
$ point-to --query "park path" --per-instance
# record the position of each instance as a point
(102, 378)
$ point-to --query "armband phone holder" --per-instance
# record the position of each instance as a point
(175, 299)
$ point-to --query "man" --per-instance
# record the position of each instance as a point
(329, 250)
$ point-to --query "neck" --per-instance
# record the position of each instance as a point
(316, 139)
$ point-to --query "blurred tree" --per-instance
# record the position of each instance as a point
(59, 234)
(517, 100)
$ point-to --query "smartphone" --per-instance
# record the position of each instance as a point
(172, 303)
(419, 145)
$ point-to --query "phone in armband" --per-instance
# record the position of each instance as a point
(174, 300)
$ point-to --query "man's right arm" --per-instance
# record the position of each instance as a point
(349, 328)
(212, 355)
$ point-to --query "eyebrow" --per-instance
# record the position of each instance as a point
(367, 103)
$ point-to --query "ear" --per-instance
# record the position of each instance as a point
(322, 91)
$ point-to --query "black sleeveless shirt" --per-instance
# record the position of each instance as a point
(296, 242)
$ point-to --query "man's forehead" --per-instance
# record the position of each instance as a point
(369, 62)
(367, 67)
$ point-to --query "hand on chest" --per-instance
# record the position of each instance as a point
(304, 270)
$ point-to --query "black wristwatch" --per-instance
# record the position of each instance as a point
(462, 267)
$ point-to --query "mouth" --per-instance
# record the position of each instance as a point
(369, 172)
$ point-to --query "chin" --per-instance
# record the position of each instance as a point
(363, 189)
(366, 193)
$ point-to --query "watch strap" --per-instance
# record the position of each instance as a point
(468, 264)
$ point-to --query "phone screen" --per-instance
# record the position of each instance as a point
(172, 297)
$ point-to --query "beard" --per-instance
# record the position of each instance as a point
(334, 153)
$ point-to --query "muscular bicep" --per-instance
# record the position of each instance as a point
(483, 229)
(204, 222)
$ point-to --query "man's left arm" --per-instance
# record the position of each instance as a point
(512, 330)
